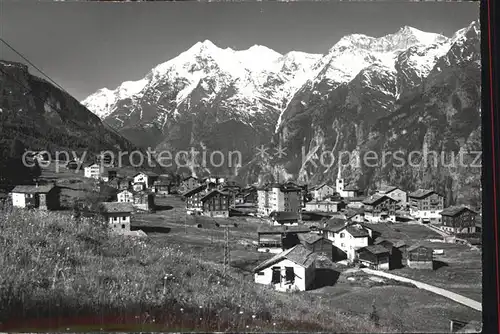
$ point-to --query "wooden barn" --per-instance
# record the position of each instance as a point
(397, 250)
(275, 239)
(374, 256)
(420, 257)
(144, 200)
(317, 244)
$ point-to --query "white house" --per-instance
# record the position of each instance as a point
(278, 197)
(322, 191)
(293, 269)
(145, 178)
(117, 215)
(45, 197)
(93, 171)
(347, 236)
(125, 196)
(325, 206)
(395, 193)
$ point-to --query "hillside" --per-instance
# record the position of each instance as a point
(36, 115)
(54, 267)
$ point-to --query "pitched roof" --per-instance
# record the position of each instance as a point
(374, 249)
(453, 211)
(319, 186)
(297, 254)
(213, 193)
(284, 187)
(387, 189)
(267, 229)
(335, 224)
(310, 238)
(355, 199)
(422, 193)
(375, 199)
(352, 213)
(284, 215)
(379, 240)
(194, 190)
(110, 207)
(33, 189)
(400, 244)
(416, 246)
(147, 173)
(396, 244)
(357, 232)
(190, 177)
(351, 188)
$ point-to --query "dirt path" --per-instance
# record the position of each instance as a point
(438, 231)
(442, 292)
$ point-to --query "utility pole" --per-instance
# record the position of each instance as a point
(227, 250)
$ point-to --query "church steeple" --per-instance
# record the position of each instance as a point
(339, 183)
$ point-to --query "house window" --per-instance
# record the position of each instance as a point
(260, 273)
(123, 225)
(289, 274)
(342, 235)
(115, 218)
(276, 278)
(124, 217)
(342, 245)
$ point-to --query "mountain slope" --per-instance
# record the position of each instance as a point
(369, 114)
(43, 117)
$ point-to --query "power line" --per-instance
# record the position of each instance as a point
(29, 62)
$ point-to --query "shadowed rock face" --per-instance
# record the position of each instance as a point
(441, 114)
(44, 117)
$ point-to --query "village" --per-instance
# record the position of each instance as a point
(285, 235)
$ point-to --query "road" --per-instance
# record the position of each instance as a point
(442, 292)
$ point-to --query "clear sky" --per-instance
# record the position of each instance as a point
(85, 46)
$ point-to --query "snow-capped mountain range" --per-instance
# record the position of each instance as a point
(248, 70)
(224, 99)
(264, 80)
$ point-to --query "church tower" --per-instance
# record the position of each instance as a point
(339, 183)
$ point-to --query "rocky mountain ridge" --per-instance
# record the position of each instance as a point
(364, 93)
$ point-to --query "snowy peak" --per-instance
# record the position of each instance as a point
(398, 41)
(471, 31)
(257, 57)
(414, 36)
(267, 80)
